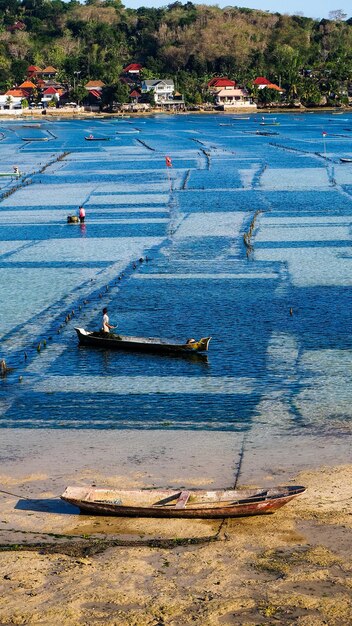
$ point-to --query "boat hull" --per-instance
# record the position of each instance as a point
(108, 341)
(185, 504)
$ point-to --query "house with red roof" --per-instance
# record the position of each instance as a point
(49, 95)
(219, 83)
(135, 95)
(263, 83)
(33, 71)
(133, 68)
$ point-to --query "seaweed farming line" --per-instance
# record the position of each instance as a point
(145, 144)
(26, 178)
(300, 151)
(258, 175)
(25, 353)
(247, 237)
(185, 180)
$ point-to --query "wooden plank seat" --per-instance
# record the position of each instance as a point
(182, 500)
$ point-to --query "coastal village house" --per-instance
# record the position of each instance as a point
(233, 98)
(263, 83)
(227, 95)
(12, 98)
(94, 88)
(219, 83)
(133, 69)
(164, 93)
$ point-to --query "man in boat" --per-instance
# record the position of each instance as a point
(106, 325)
(81, 214)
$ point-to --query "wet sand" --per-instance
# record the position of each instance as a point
(293, 567)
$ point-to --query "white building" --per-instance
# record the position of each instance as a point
(233, 98)
(12, 99)
(163, 90)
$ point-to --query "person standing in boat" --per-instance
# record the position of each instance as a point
(106, 325)
(81, 214)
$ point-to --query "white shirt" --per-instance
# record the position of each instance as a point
(106, 328)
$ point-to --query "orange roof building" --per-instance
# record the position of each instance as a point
(16, 93)
(49, 70)
(27, 85)
(94, 84)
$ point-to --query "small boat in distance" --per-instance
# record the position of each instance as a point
(110, 341)
(35, 138)
(178, 503)
(92, 138)
(345, 160)
(269, 123)
(11, 174)
(266, 133)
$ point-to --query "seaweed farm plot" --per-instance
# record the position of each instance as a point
(240, 236)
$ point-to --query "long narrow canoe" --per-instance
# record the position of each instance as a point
(35, 138)
(111, 341)
(196, 503)
(345, 160)
(97, 138)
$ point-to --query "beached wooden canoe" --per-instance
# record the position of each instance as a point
(196, 503)
(111, 341)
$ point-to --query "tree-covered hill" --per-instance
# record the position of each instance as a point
(188, 42)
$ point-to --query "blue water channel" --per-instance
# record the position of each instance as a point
(163, 249)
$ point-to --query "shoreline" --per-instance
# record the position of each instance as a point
(72, 114)
(37, 465)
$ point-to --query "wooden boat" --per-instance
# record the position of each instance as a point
(111, 341)
(91, 138)
(196, 503)
(11, 174)
(266, 133)
(345, 160)
(35, 138)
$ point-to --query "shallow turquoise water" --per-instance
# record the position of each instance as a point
(280, 318)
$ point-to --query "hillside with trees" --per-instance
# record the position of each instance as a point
(311, 60)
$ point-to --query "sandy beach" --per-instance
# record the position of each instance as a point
(293, 567)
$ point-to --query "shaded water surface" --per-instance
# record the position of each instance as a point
(163, 249)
